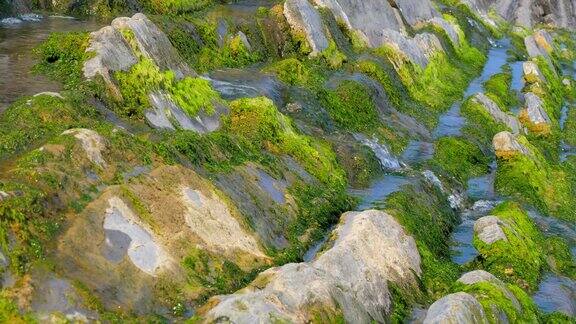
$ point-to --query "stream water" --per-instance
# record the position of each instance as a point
(451, 122)
(18, 38)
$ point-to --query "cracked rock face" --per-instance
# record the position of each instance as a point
(532, 72)
(489, 229)
(211, 220)
(153, 43)
(370, 250)
(370, 18)
(455, 309)
(418, 49)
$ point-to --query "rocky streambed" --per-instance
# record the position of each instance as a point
(302, 161)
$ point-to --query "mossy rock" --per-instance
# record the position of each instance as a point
(519, 258)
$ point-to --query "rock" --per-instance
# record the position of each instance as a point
(370, 18)
(489, 229)
(532, 73)
(153, 44)
(53, 295)
(49, 94)
(92, 143)
(221, 32)
(505, 144)
(534, 115)
(112, 53)
(303, 18)
(165, 114)
(418, 49)
(417, 12)
(451, 30)
(211, 220)
(455, 309)
(492, 108)
(527, 13)
(370, 250)
(142, 249)
(532, 48)
(244, 40)
(478, 276)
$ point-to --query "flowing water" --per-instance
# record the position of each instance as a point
(17, 41)
(451, 122)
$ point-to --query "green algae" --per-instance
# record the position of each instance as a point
(459, 158)
(534, 180)
(495, 301)
(520, 258)
(415, 206)
(351, 106)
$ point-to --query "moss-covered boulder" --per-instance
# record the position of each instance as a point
(510, 245)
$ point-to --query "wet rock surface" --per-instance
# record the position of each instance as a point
(489, 229)
(351, 275)
(495, 111)
(304, 19)
(454, 309)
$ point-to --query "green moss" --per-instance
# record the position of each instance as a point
(498, 88)
(211, 275)
(61, 57)
(191, 94)
(459, 158)
(569, 133)
(351, 106)
(559, 256)
(425, 214)
(258, 120)
(480, 125)
(294, 72)
(23, 126)
(179, 6)
(533, 180)
(443, 77)
(332, 56)
(494, 301)
(395, 91)
(9, 312)
(520, 259)
(376, 72)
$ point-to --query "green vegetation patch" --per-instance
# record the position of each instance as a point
(494, 301)
(442, 81)
(61, 57)
(426, 215)
(534, 180)
(498, 88)
(191, 94)
(480, 125)
(259, 121)
(351, 106)
(459, 158)
(520, 258)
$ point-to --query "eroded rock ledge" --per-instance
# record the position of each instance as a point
(350, 279)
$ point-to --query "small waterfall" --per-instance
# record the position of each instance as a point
(387, 160)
